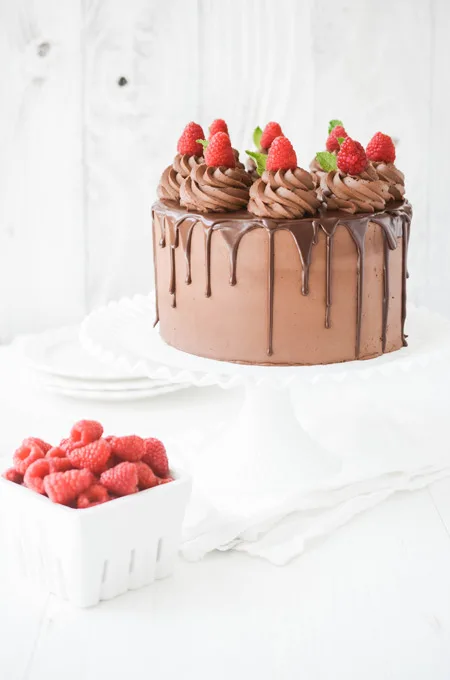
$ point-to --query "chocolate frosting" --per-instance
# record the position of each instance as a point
(394, 177)
(239, 165)
(209, 189)
(177, 226)
(316, 171)
(364, 193)
(173, 176)
(283, 194)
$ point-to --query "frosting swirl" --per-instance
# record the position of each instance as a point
(173, 176)
(209, 189)
(364, 193)
(394, 177)
(239, 165)
(283, 194)
(316, 171)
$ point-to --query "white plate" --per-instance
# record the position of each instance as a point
(58, 352)
(119, 395)
(57, 382)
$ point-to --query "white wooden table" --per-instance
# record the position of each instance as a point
(372, 601)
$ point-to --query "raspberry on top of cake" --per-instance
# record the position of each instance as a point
(219, 125)
(350, 183)
(381, 151)
(190, 154)
(217, 185)
(336, 135)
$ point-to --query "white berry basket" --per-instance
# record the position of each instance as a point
(96, 553)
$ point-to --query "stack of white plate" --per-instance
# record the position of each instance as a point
(60, 364)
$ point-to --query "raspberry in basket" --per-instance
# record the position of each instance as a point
(156, 457)
(65, 487)
(25, 455)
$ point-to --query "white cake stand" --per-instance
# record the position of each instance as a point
(264, 448)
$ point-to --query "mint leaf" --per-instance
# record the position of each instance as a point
(333, 123)
(260, 159)
(203, 142)
(257, 134)
(340, 140)
(326, 160)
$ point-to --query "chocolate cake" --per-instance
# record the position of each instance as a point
(282, 270)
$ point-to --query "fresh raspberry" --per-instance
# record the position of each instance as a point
(270, 132)
(351, 158)
(156, 457)
(55, 452)
(121, 479)
(13, 476)
(130, 448)
(93, 456)
(37, 442)
(146, 476)
(95, 495)
(86, 431)
(219, 153)
(332, 143)
(68, 445)
(339, 131)
(25, 455)
(65, 487)
(381, 148)
(35, 474)
(60, 464)
(281, 155)
(218, 125)
(58, 460)
(165, 480)
(187, 144)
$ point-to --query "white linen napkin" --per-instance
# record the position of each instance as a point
(391, 434)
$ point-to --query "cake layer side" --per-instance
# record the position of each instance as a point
(308, 292)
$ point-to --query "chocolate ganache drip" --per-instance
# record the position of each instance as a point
(283, 194)
(394, 177)
(174, 175)
(364, 193)
(210, 189)
(394, 222)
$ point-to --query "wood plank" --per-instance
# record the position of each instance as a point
(141, 89)
(256, 65)
(41, 188)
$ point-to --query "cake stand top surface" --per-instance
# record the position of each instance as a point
(122, 332)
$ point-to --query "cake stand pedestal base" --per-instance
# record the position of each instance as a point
(265, 447)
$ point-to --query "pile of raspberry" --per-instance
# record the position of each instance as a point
(88, 469)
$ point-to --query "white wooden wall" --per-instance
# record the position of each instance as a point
(80, 154)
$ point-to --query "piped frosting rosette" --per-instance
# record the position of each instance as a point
(394, 178)
(284, 191)
(350, 182)
(363, 193)
(190, 155)
(174, 175)
(381, 151)
(285, 194)
(216, 185)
